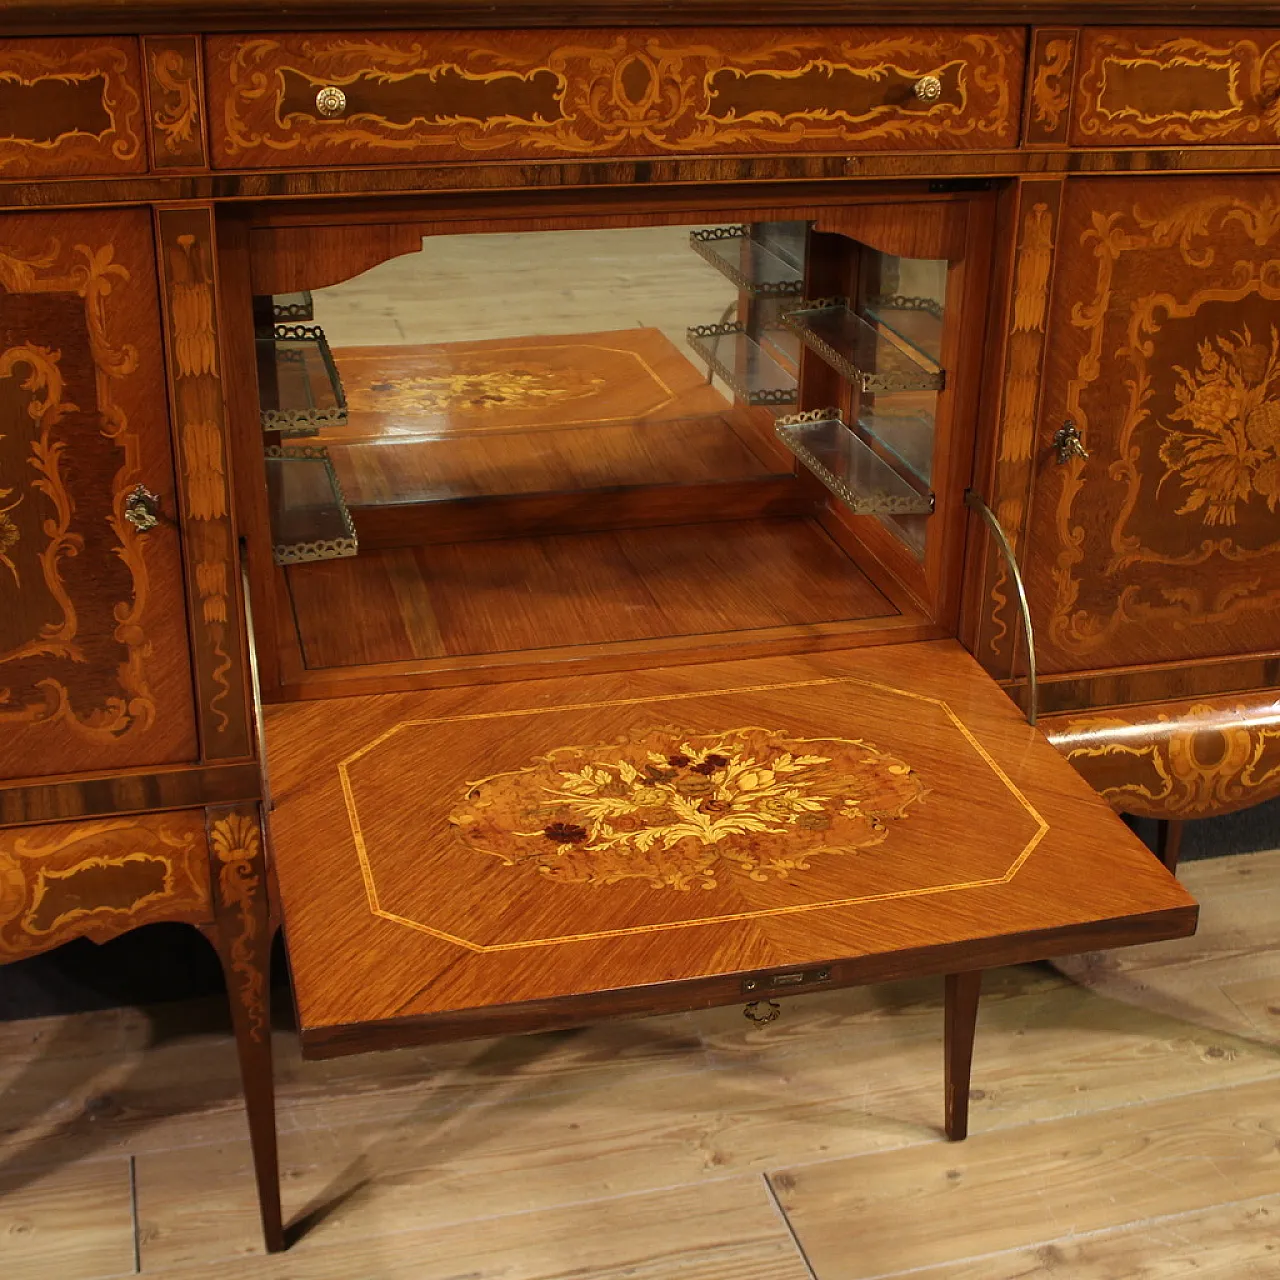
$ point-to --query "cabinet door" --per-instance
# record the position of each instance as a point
(94, 667)
(1162, 545)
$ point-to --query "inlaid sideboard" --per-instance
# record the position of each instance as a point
(247, 671)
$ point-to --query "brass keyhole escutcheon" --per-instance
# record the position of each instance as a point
(142, 508)
(928, 88)
(331, 101)
(1068, 443)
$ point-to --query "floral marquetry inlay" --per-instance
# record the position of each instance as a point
(679, 810)
(471, 390)
(1166, 537)
(1229, 449)
(548, 94)
(92, 655)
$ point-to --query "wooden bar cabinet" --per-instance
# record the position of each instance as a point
(582, 512)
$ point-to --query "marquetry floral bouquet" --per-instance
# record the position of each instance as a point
(666, 807)
(453, 391)
(1232, 450)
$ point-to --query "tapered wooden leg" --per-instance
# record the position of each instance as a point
(1169, 842)
(961, 1012)
(241, 933)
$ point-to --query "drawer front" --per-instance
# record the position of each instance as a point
(1190, 759)
(1167, 86)
(290, 100)
(70, 107)
(100, 879)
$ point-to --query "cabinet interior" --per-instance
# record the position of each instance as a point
(490, 450)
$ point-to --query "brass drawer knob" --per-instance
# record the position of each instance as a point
(331, 101)
(142, 508)
(928, 88)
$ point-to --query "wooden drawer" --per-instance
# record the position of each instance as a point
(1192, 759)
(96, 880)
(69, 107)
(1165, 86)
(544, 95)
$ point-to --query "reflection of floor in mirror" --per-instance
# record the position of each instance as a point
(1123, 1126)
(468, 288)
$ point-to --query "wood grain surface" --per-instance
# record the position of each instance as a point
(1196, 758)
(100, 879)
(632, 1148)
(1176, 87)
(1162, 545)
(192, 316)
(577, 590)
(176, 123)
(94, 664)
(1050, 82)
(544, 95)
(70, 106)
(33, 17)
(374, 816)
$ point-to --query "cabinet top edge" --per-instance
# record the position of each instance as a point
(129, 17)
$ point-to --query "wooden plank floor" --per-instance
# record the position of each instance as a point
(1126, 1126)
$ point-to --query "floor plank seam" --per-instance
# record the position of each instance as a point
(786, 1223)
(449, 1224)
(133, 1215)
(1042, 1120)
(292, 1112)
(1076, 1237)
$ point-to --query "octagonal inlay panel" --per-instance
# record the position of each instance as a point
(508, 830)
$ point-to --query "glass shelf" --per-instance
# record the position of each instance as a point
(868, 354)
(859, 477)
(732, 355)
(908, 436)
(289, 308)
(915, 320)
(763, 270)
(298, 382)
(309, 517)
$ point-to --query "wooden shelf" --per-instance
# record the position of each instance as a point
(784, 579)
(849, 467)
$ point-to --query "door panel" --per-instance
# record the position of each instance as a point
(94, 667)
(564, 845)
(1164, 351)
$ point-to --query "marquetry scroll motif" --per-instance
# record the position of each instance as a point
(550, 94)
(70, 106)
(1050, 75)
(1143, 87)
(1037, 217)
(187, 265)
(175, 101)
(241, 931)
(678, 811)
(1164, 543)
(100, 879)
(1195, 759)
(94, 670)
